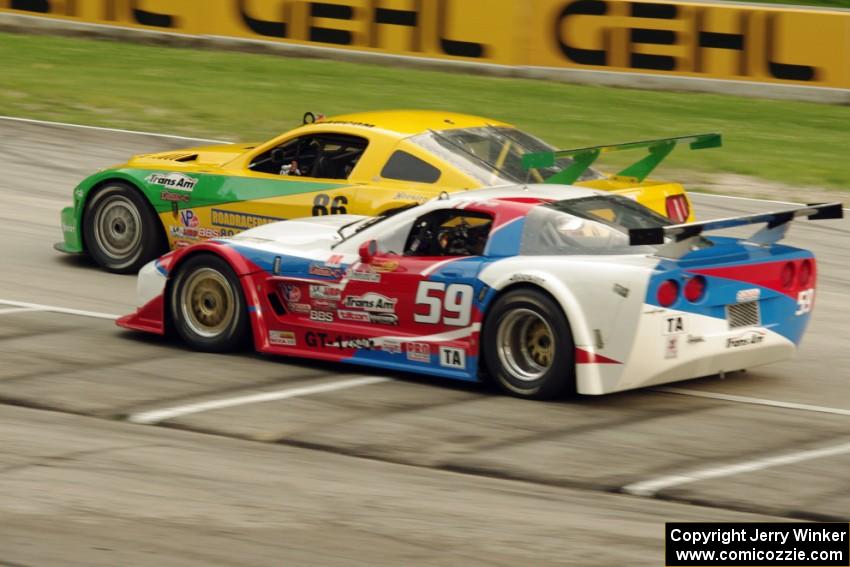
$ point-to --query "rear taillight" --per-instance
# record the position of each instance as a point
(695, 289)
(786, 277)
(678, 208)
(804, 278)
(668, 292)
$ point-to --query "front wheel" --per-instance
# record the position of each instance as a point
(121, 231)
(207, 305)
(528, 346)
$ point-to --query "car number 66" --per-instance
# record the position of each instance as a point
(455, 300)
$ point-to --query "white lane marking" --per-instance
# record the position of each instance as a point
(653, 486)
(749, 199)
(156, 416)
(55, 309)
(752, 401)
(18, 310)
(105, 129)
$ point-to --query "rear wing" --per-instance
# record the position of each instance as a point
(681, 235)
(583, 158)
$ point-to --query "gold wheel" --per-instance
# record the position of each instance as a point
(539, 343)
(525, 344)
(207, 302)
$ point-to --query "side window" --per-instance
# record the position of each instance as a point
(406, 167)
(449, 232)
(330, 156)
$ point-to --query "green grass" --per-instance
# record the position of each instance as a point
(253, 97)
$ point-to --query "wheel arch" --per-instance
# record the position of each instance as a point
(97, 186)
(241, 267)
(559, 293)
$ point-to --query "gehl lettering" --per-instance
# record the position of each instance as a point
(317, 24)
(753, 38)
(374, 16)
(112, 10)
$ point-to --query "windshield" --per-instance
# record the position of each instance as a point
(493, 155)
(360, 225)
(590, 225)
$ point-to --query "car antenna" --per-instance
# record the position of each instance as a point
(310, 118)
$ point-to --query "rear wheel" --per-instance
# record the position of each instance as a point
(207, 305)
(528, 346)
(121, 230)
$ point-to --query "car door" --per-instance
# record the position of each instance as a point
(307, 175)
(419, 304)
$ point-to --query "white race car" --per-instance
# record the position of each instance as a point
(548, 290)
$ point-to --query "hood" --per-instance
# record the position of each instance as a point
(202, 155)
(300, 234)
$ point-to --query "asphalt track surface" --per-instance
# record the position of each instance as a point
(307, 463)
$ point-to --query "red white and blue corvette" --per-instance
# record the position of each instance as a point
(548, 290)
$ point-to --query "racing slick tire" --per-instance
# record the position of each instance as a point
(207, 305)
(528, 346)
(121, 230)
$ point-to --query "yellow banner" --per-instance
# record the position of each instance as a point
(471, 30)
(715, 41)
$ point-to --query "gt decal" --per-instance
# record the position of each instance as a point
(805, 301)
(337, 205)
(455, 300)
(324, 340)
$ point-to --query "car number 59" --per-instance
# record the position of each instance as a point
(805, 301)
(452, 304)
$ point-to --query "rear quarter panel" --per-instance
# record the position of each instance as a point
(601, 296)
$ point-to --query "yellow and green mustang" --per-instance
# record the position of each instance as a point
(366, 164)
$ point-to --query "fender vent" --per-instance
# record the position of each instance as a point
(743, 314)
(276, 304)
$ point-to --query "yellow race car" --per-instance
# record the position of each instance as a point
(366, 164)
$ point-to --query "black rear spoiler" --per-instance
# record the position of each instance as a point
(777, 225)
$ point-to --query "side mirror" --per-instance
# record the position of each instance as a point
(368, 250)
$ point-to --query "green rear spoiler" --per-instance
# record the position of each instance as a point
(640, 170)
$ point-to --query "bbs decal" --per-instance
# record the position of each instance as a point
(321, 316)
